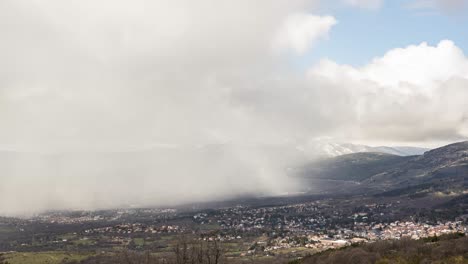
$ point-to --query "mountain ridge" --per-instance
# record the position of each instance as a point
(444, 169)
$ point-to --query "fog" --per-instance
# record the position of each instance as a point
(152, 103)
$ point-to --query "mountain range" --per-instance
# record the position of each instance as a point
(325, 148)
(442, 171)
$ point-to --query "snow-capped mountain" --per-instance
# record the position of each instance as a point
(323, 148)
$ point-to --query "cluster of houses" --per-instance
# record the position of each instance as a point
(65, 219)
(369, 233)
(136, 228)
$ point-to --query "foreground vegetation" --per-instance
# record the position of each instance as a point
(451, 249)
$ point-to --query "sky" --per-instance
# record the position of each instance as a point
(393, 24)
(112, 103)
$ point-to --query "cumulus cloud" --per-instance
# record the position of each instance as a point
(408, 94)
(421, 65)
(300, 31)
(366, 4)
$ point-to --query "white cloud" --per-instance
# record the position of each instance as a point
(366, 4)
(412, 93)
(125, 79)
(419, 65)
(300, 31)
(442, 5)
(142, 66)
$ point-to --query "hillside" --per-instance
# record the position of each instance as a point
(440, 170)
(443, 170)
(353, 167)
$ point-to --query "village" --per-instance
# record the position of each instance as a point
(263, 230)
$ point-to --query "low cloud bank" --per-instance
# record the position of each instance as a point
(106, 103)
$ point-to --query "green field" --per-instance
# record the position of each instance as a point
(6, 229)
(43, 257)
(139, 242)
